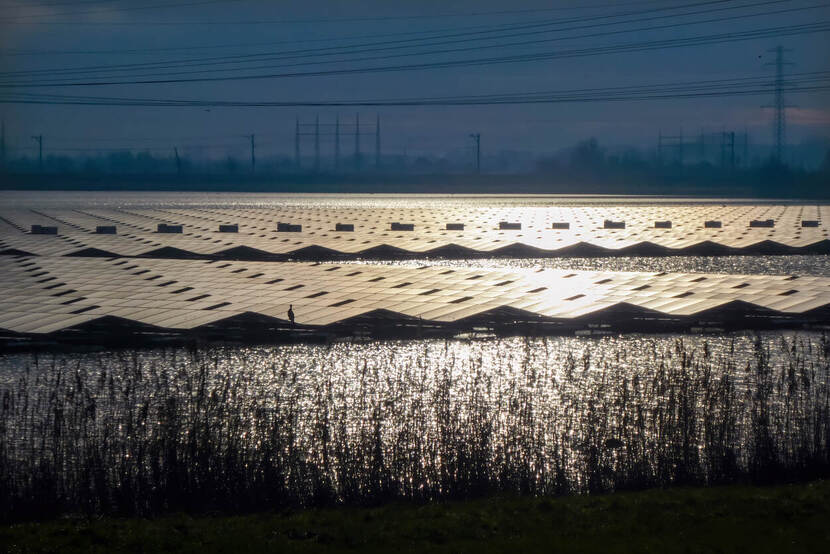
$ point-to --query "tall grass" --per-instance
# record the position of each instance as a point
(245, 429)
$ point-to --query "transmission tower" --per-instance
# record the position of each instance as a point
(377, 142)
(727, 149)
(357, 142)
(39, 140)
(337, 142)
(297, 143)
(322, 131)
(779, 104)
(477, 137)
(317, 143)
(666, 142)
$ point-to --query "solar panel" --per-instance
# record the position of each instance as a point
(548, 230)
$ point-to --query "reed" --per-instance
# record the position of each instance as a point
(242, 429)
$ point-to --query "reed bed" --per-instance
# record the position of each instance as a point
(241, 429)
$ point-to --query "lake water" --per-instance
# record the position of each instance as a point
(76, 199)
(743, 265)
(142, 431)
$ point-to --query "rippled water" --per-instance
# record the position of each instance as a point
(745, 265)
(64, 199)
(355, 421)
(501, 356)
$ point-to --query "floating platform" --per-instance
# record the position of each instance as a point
(102, 300)
(357, 233)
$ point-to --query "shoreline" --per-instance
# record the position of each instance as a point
(779, 518)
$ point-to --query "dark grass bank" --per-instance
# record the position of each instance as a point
(784, 518)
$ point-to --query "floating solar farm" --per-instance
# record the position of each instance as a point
(142, 275)
(297, 232)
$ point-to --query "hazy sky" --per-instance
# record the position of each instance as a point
(60, 34)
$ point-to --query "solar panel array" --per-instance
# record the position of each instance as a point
(191, 277)
(373, 236)
(47, 294)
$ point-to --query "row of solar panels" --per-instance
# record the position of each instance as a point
(251, 233)
(395, 226)
(535, 218)
(45, 295)
(252, 248)
(196, 219)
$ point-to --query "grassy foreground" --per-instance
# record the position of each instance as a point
(787, 518)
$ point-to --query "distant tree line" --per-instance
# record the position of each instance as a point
(588, 158)
(590, 162)
(587, 166)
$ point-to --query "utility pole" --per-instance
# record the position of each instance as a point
(39, 139)
(377, 142)
(337, 142)
(723, 148)
(779, 103)
(727, 149)
(297, 144)
(317, 144)
(673, 143)
(477, 137)
(357, 142)
(178, 160)
(253, 154)
(660, 147)
(746, 148)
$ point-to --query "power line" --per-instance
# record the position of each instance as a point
(17, 19)
(408, 43)
(718, 88)
(320, 52)
(754, 85)
(340, 19)
(708, 82)
(297, 40)
(699, 40)
(68, 3)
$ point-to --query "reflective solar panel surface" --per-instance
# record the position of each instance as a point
(201, 276)
(373, 233)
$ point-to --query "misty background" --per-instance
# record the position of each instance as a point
(546, 85)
